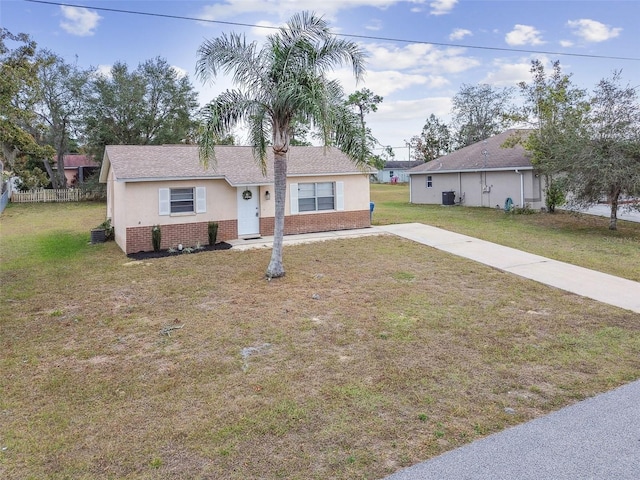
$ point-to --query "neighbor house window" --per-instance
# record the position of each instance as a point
(429, 181)
(316, 196)
(182, 200)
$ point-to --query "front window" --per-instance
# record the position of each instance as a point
(182, 200)
(316, 196)
(429, 181)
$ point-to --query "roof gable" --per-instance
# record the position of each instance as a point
(485, 155)
(236, 164)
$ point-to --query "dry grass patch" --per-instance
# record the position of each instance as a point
(370, 355)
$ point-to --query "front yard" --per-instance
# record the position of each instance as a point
(370, 355)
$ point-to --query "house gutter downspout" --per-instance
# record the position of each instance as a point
(410, 189)
(521, 187)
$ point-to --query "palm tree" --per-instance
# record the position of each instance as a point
(276, 85)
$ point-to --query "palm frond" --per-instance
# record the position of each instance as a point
(258, 133)
(229, 54)
(219, 117)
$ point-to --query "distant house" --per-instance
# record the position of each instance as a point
(396, 171)
(77, 168)
(483, 175)
(167, 185)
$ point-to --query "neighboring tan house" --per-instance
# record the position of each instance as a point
(77, 168)
(396, 172)
(167, 185)
(484, 174)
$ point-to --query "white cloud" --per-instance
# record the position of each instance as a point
(508, 74)
(566, 43)
(523, 35)
(374, 25)
(268, 28)
(442, 7)
(420, 57)
(388, 81)
(180, 72)
(79, 21)
(104, 70)
(592, 30)
(459, 34)
(284, 8)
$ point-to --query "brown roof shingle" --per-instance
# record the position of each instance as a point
(236, 164)
(74, 160)
(473, 157)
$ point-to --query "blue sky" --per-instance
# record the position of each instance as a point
(415, 78)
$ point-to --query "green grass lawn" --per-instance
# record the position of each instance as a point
(370, 355)
(580, 239)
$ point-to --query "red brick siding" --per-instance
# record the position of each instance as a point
(188, 234)
(318, 222)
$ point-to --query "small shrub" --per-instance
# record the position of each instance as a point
(108, 229)
(526, 210)
(212, 230)
(156, 237)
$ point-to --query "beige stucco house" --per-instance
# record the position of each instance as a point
(484, 174)
(167, 185)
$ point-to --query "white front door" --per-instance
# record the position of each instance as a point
(248, 211)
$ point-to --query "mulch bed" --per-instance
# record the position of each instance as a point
(167, 253)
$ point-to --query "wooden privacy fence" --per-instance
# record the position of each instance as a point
(60, 195)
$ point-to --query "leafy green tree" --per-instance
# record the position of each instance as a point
(480, 111)
(283, 81)
(434, 141)
(62, 90)
(608, 162)
(149, 105)
(18, 121)
(558, 112)
(364, 102)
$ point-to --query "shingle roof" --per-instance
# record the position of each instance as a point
(73, 160)
(402, 164)
(236, 164)
(485, 155)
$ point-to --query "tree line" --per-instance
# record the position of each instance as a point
(586, 145)
(51, 107)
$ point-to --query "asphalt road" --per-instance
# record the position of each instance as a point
(598, 438)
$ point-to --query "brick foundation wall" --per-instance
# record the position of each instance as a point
(318, 222)
(189, 234)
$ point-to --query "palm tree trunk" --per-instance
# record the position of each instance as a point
(276, 268)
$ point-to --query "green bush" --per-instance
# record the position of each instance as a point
(212, 230)
(555, 194)
(156, 237)
(108, 229)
